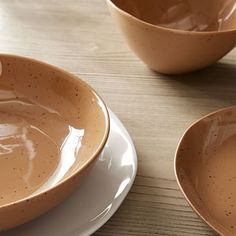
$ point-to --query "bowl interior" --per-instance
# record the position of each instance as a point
(189, 15)
(205, 168)
(51, 125)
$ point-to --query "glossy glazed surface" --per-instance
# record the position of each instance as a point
(89, 208)
(93, 49)
(205, 168)
(189, 15)
(52, 128)
(29, 155)
(165, 34)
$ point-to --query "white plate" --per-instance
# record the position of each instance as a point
(97, 198)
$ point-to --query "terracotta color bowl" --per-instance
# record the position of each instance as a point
(205, 168)
(174, 36)
(53, 127)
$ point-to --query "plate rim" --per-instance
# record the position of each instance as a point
(128, 187)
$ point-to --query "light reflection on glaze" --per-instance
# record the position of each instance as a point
(37, 147)
(30, 153)
(10, 132)
(6, 132)
(232, 11)
(68, 152)
(102, 214)
(122, 186)
(183, 16)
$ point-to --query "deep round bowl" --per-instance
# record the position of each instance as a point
(53, 126)
(175, 37)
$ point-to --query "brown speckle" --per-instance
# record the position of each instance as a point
(209, 39)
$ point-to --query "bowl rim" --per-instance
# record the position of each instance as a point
(216, 229)
(97, 151)
(169, 30)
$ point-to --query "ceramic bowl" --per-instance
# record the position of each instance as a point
(53, 127)
(175, 37)
(205, 167)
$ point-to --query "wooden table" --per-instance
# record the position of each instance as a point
(80, 36)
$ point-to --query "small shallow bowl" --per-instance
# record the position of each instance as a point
(53, 127)
(175, 37)
(205, 165)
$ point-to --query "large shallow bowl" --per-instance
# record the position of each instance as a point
(205, 166)
(53, 126)
(174, 36)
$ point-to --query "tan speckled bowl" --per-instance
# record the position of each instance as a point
(53, 126)
(205, 165)
(175, 37)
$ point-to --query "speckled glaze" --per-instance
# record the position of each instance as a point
(53, 126)
(205, 167)
(175, 37)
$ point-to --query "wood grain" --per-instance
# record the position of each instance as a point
(80, 36)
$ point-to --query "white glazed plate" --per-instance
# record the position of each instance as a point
(97, 198)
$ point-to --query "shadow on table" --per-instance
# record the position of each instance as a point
(222, 71)
(217, 84)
